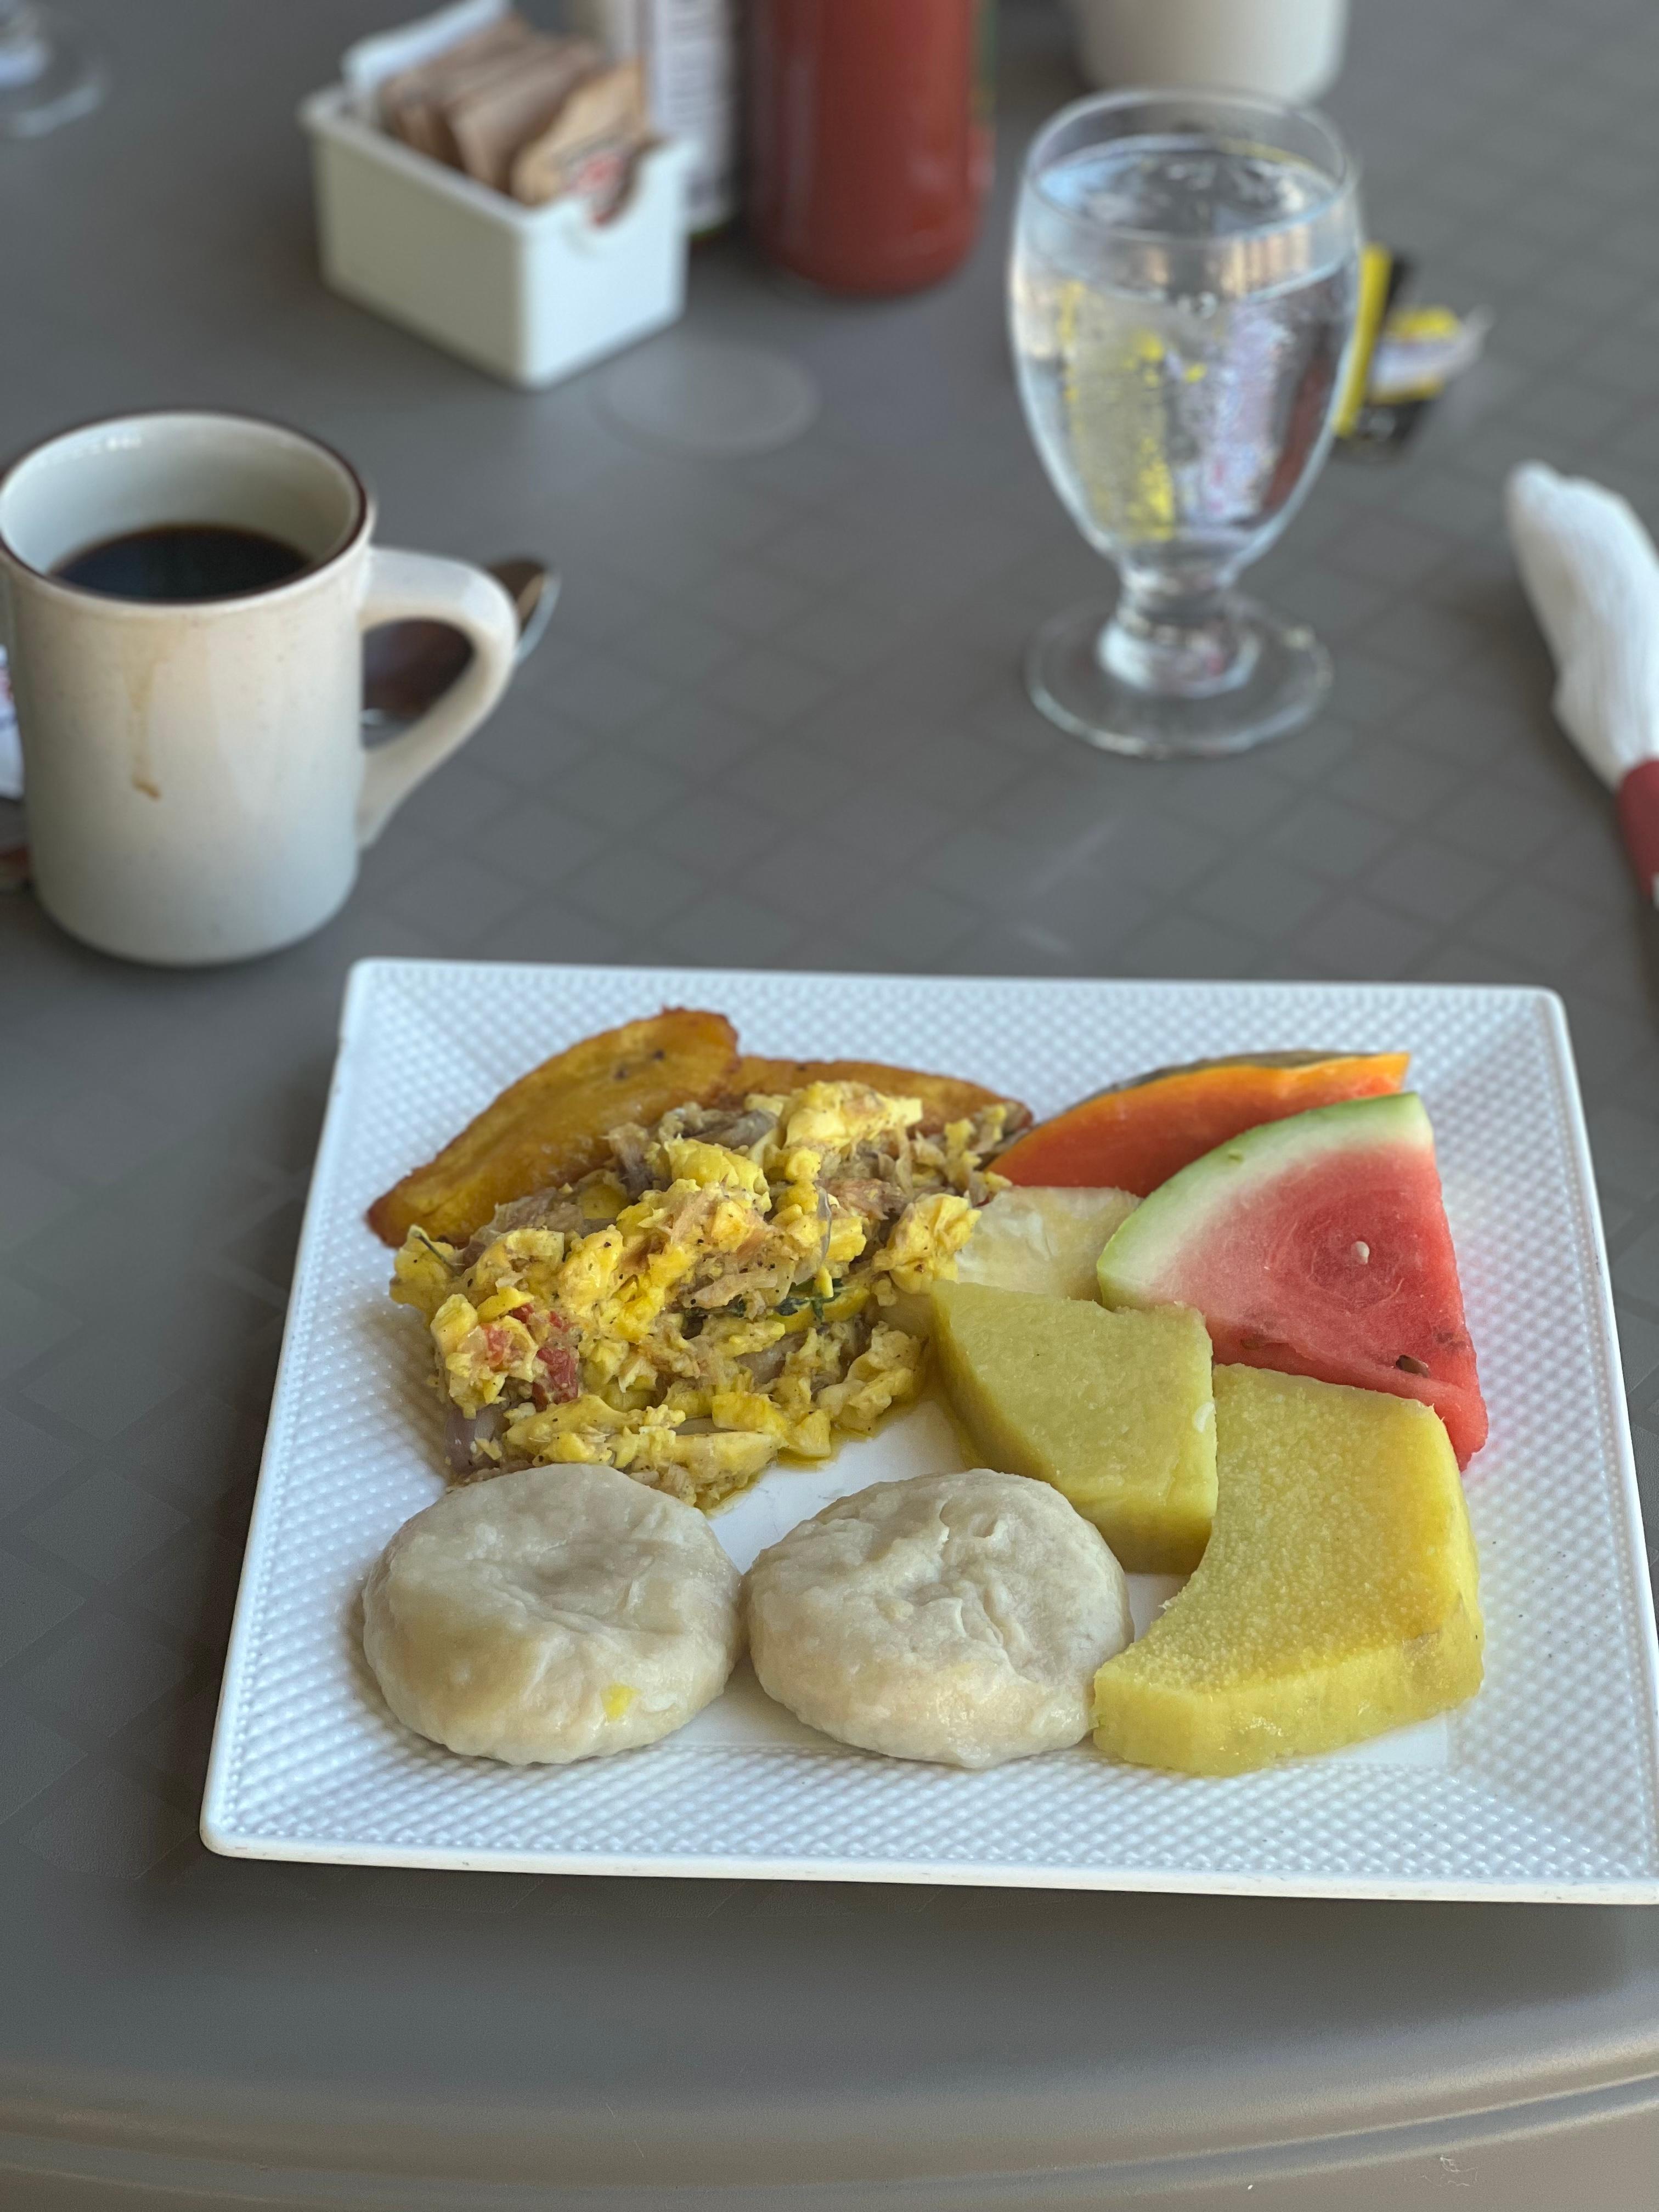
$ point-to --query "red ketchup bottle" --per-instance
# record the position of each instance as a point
(869, 137)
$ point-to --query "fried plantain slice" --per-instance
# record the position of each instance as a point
(549, 1127)
(944, 1097)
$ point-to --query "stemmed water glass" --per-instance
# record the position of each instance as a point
(49, 74)
(1183, 293)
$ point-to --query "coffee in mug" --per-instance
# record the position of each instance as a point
(185, 596)
(182, 560)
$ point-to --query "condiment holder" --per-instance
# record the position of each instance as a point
(529, 293)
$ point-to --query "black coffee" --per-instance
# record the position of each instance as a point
(182, 560)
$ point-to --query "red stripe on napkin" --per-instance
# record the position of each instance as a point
(1638, 818)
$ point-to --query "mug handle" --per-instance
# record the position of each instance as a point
(422, 588)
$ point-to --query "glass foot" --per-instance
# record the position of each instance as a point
(49, 73)
(1285, 674)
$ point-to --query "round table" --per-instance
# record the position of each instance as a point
(778, 720)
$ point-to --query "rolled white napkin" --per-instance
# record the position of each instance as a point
(1592, 575)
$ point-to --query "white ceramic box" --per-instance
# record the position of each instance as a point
(530, 294)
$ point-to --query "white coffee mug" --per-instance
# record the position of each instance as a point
(198, 786)
(1279, 49)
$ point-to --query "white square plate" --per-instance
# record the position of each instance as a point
(1543, 1787)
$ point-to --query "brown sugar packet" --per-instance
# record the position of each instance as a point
(590, 147)
(411, 102)
(490, 123)
(402, 98)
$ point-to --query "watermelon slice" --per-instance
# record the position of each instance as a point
(1316, 1245)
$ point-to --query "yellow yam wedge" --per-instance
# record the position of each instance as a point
(549, 1127)
(1339, 1596)
(1117, 1417)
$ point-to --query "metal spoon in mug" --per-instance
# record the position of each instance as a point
(407, 665)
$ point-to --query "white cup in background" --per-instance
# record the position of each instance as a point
(198, 789)
(1288, 50)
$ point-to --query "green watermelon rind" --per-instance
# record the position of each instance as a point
(1139, 1255)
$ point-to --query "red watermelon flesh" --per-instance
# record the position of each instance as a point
(1316, 1245)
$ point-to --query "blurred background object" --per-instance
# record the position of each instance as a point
(49, 72)
(1282, 49)
(690, 50)
(1404, 355)
(11, 752)
(869, 137)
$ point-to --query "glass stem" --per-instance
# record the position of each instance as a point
(1177, 639)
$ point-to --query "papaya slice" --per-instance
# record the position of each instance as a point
(1137, 1136)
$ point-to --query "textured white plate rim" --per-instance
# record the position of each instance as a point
(224, 1831)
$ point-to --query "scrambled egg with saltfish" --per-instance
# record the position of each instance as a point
(736, 1285)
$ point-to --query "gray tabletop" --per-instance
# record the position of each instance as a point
(778, 721)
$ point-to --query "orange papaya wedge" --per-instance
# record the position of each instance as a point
(1136, 1137)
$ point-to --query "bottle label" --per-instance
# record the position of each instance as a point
(692, 66)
